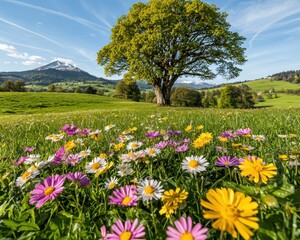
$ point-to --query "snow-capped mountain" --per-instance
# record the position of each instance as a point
(58, 65)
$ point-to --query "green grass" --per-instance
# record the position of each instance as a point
(267, 84)
(283, 101)
(45, 102)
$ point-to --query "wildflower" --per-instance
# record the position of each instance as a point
(256, 169)
(292, 135)
(150, 189)
(171, 199)
(283, 136)
(294, 163)
(128, 157)
(124, 138)
(48, 190)
(85, 131)
(199, 127)
(32, 158)
(128, 231)
(223, 139)
(124, 196)
(176, 133)
(246, 148)
(79, 141)
(103, 170)
(59, 156)
(69, 145)
(55, 137)
(118, 147)
(134, 145)
(227, 161)
(96, 165)
(228, 134)
(161, 144)
(283, 157)
(29, 174)
(78, 178)
(28, 149)
(84, 153)
(260, 138)
(111, 183)
(182, 148)
(188, 128)
(73, 159)
(243, 132)
(236, 145)
(96, 135)
(194, 164)
(152, 152)
(152, 134)
(103, 233)
(21, 160)
(108, 127)
(233, 211)
(185, 230)
(124, 169)
(203, 139)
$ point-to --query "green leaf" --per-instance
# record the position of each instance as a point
(24, 226)
(12, 224)
(284, 191)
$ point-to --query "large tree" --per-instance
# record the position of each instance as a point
(162, 40)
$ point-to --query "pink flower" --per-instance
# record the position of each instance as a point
(151, 134)
(182, 148)
(59, 157)
(73, 159)
(48, 190)
(79, 178)
(130, 231)
(21, 160)
(185, 230)
(227, 161)
(103, 233)
(124, 196)
(161, 145)
(28, 149)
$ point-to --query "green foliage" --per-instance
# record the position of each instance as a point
(186, 97)
(128, 91)
(90, 90)
(12, 86)
(161, 40)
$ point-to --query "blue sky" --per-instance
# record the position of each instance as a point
(36, 32)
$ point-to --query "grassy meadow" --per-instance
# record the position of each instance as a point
(124, 152)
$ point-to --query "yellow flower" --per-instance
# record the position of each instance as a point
(103, 155)
(188, 128)
(223, 139)
(101, 171)
(233, 211)
(164, 119)
(118, 146)
(203, 139)
(168, 210)
(256, 169)
(292, 135)
(132, 129)
(236, 144)
(283, 157)
(69, 145)
(199, 127)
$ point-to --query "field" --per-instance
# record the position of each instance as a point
(154, 164)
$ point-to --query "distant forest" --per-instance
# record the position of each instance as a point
(288, 76)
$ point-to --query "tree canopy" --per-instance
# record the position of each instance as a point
(162, 40)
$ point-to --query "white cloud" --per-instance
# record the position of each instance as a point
(7, 48)
(30, 63)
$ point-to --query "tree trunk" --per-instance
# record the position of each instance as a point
(163, 95)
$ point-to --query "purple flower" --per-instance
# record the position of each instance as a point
(161, 144)
(151, 134)
(228, 134)
(28, 149)
(128, 230)
(182, 148)
(185, 230)
(227, 161)
(21, 160)
(124, 196)
(48, 190)
(85, 131)
(176, 133)
(59, 157)
(172, 143)
(78, 178)
(73, 159)
(69, 130)
(243, 131)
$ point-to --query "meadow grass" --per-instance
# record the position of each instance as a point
(79, 212)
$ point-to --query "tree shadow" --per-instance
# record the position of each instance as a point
(264, 106)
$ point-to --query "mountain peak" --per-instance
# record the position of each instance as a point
(59, 65)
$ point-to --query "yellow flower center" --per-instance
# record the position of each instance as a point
(258, 167)
(111, 185)
(149, 190)
(32, 168)
(230, 213)
(126, 200)
(126, 235)
(193, 164)
(83, 153)
(26, 175)
(227, 163)
(186, 236)
(151, 151)
(95, 166)
(134, 145)
(49, 190)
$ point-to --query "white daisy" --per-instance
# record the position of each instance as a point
(152, 152)
(32, 158)
(124, 169)
(150, 189)
(29, 174)
(194, 164)
(108, 127)
(134, 145)
(95, 165)
(128, 157)
(111, 183)
(124, 138)
(260, 138)
(84, 153)
(55, 137)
